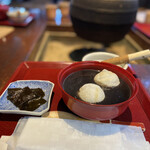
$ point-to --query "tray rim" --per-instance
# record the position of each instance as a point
(137, 25)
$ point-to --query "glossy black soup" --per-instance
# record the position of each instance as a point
(115, 95)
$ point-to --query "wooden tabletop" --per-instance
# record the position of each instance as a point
(18, 46)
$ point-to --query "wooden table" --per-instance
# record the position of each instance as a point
(19, 45)
(22, 44)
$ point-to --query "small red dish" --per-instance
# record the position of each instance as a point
(27, 21)
(97, 111)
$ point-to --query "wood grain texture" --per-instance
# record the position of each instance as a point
(19, 45)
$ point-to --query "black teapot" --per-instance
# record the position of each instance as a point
(103, 21)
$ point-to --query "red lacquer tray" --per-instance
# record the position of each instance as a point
(22, 24)
(136, 112)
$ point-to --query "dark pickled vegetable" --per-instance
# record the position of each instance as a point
(26, 98)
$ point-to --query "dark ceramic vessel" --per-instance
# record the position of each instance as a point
(103, 21)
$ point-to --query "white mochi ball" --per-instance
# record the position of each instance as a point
(107, 79)
(91, 93)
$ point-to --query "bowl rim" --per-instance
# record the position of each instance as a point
(133, 94)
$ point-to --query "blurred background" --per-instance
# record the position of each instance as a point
(39, 3)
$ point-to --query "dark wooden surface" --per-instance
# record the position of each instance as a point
(19, 45)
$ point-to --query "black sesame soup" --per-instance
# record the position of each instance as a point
(115, 95)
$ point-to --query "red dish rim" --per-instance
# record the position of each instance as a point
(107, 65)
